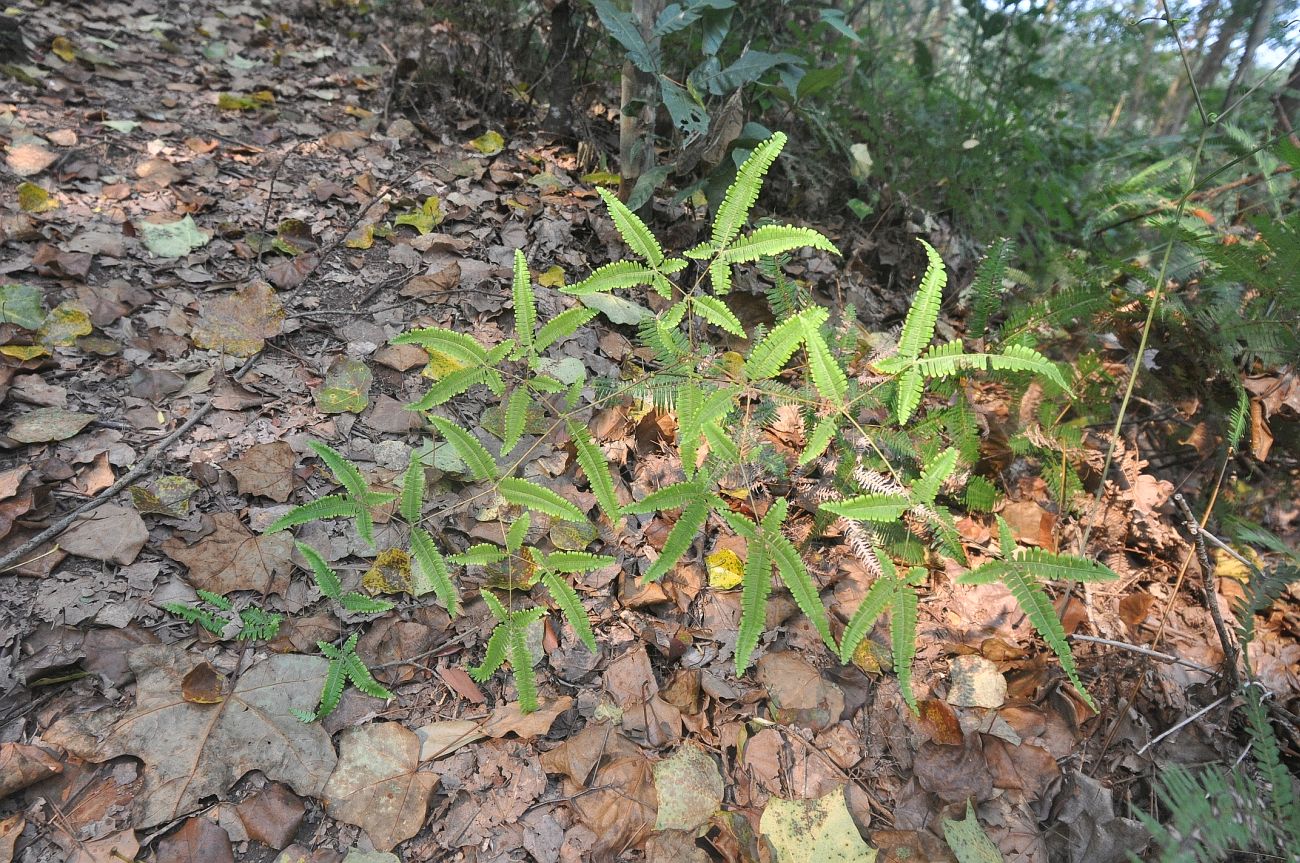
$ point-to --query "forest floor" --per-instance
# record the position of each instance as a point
(225, 216)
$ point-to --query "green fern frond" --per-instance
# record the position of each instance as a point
(494, 656)
(577, 561)
(476, 457)
(933, 476)
(755, 587)
(521, 289)
(771, 354)
(201, 616)
(820, 438)
(330, 506)
(910, 388)
(1036, 605)
(596, 468)
(516, 419)
(986, 289)
(673, 496)
(870, 507)
(790, 566)
(918, 327)
(715, 311)
(430, 571)
(518, 531)
(358, 674)
(613, 277)
(345, 472)
(451, 386)
(772, 240)
(331, 691)
(720, 277)
(327, 580)
(563, 325)
(479, 554)
(902, 636)
(743, 191)
(827, 376)
(412, 503)
(633, 231)
(359, 603)
(880, 596)
(465, 351)
(567, 598)
(532, 496)
(680, 538)
(521, 658)
(722, 446)
(690, 399)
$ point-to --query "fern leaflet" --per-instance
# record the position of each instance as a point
(743, 192)
(430, 571)
(680, 537)
(612, 277)
(827, 375)
(476, 457)
(918, 328)
(596, 469)
(772, 240)
(902, 634)
(567, 598)
(532, 496)
(633, 231)
(330, 506)
(516, 418)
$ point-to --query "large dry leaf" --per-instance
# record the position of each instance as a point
(266, 470)
(799, 694)
(191, 751)
(26, 160)
(48, 424)
(814, 831)
(241, 323)
(111, 533)
(377, 784)
(198, 841)
(689, 788)
(231, 558)
(22, 764)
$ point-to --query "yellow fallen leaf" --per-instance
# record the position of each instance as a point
(725, 569)
(33, 199)
(552, 278)
(23, 352)
(489, 143)
(361, 238)
(64, 49)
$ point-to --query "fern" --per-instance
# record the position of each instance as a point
(516, 419)
(821, 437)
(449, 387)
(880, 596)
(918, 327)
(755, 587)
(330, 506)
(790, 567)
(827, 376)
(633, 231)
(517, 532)
(563, 325)
(743, 192)
(476, 457)
(680, 538)
(411, 506)
(596, 469)
(902, 634)
(987, 287)
(612, 277)
(567, 598)
(669, 497)
(771, 354)
(430, 573)
(344, 666)
(716, 312)
(532, 496)
(521, 289)
(771, 240)
(465, 351)
(870, 507)
(509, 641)
(1021, 573)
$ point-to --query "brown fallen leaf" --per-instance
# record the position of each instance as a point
(22, 764)
(266, 469)
(272, 816)
(203, 684)
(440, 739)
(198, 841)
(11, 479)
(798, 694)
(110, 533)
(192, 751)
(26, 160)
(111, 849)
(232, 558)
(10, 829)
(510, 719)
(48, 424)
(239, 324)
(377, 784)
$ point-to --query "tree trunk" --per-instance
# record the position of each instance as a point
(1287, 104)
(1254, 38)
(559, 114)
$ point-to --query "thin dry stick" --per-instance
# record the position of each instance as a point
(1183, 723)
(1134, 648)
(1211, 595)
(10, 561)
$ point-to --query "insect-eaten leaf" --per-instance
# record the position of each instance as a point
(814, 831)
(22, 305)
(726, 569)
(239, 324)
(346, 388)
(172, 239)
(169, 496)
(63, 325)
